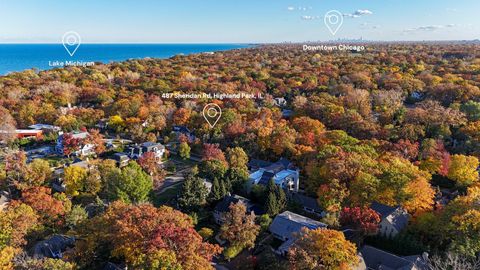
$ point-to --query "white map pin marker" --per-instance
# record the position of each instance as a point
(71, 41)
(333, 20)
(212, 113)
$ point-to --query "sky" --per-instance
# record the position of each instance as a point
(235, 21)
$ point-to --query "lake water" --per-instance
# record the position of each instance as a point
(18, 57)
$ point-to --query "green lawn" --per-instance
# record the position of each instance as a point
(167, 195)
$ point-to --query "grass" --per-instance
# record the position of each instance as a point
(167, 195)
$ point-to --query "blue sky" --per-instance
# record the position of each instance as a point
(235, 21)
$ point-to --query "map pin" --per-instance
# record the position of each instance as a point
(212, 113)
(333, 20)
(71, 41)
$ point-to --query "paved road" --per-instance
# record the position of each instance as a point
(174, 179)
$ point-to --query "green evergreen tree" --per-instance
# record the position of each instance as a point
(194, 193)
(281, 198)
(271, 205)
(218, 190)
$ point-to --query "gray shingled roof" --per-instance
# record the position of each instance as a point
(380, 260)
(53, 247)
(306, 201)
(288, 223)
(397, 216)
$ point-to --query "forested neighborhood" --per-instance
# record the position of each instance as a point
(345, 160)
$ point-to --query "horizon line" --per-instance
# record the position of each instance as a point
(244, 43)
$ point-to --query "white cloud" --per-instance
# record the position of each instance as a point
(359, 13)
(429, 28)
(309, 18)
(292, 8)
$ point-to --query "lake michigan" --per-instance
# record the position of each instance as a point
(18, 57)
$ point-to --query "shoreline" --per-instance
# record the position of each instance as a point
(99, 53)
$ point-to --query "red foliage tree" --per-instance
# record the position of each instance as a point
(41, 200)
(364, 219)
(70, 144)
(213, 152)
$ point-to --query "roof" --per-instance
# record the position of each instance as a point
(306, 201)
(378, 259)
(395, 215)
(280, 165)
(181, 129)
(224, 204)
(255, 164)
(81, 164)
(148, 145)
(52, 247)
(79, 135)
(44, 126)
(288, 223)
(3, 201)
(382, 209)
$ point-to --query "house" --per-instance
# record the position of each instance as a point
(224, 206)
(282, 172)
(24, 133)
(393, 219)
(179, 130)
(45, 128)
(208, 185)
(85, 148)
(137, 151)
(121, 159)
(3, 200)
(308, 204)
(53, 247)
(376, 259)
(280, 102)
(285, 225)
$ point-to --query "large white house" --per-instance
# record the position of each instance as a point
(283, 173)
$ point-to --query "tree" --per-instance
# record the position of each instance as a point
(218, 190)
(76, 216)
(49, 208)
(212, 169)
(213, 152)
(149, 163)
(471, 109)
(145, 237)
(7, 125)
(364, 219)
(131, 185)
(181, 116)
(453, 261)
(194, 193)
(70, 144)
(239, 228)
(16, 168)
(322, 249)
(331, 196)
(96, 138)
(184, 150)
(463, 170)
(74, 179)
(32, 175)
(15, 223)
(276, 199)
(237, 158)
